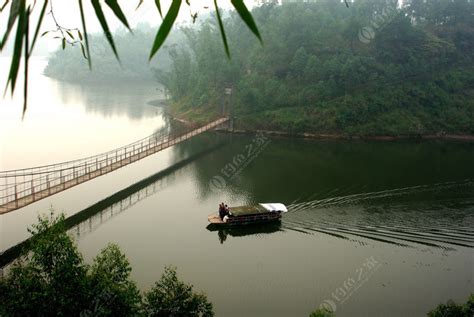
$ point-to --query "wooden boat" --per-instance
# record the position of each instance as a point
(244, 215)
(224, 232)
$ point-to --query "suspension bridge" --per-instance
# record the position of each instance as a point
(19, 188)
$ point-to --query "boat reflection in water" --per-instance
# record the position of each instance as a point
(242, 231)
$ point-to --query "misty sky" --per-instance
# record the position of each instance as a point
(67, 14)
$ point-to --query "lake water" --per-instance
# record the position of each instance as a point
(373, 228)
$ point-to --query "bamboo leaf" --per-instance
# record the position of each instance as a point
(113, 4)
(14, 13)
(38, 25)
(83, 51)
(44, 33)
(4, 5)
(27, 56)
(105, 27)
(246, 16)
(17, 49)
(80, 35)
(64, 43)
(158, 6)
(221, 27)
(70, 35)
(84, 29)
(165, 27)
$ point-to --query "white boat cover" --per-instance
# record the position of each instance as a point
(274, 207)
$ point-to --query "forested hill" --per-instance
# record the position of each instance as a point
(370, 69)
(133, 49)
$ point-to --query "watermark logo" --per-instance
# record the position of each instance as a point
(217, 183)
(329, 305)
(378, 22)
(366, 34)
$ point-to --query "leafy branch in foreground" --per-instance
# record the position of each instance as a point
(51, 279)
(450, 309)
(21, 11)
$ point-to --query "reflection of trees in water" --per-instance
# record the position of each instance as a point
(205, 169)
(131, 99)
(289, 170)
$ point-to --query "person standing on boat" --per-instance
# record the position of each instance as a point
(221, 211)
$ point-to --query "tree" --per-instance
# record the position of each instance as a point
(451, 309)
(51, 279)
(110, 284)
(322, 312)
(171, 297)
(21, 11)
(316, 75)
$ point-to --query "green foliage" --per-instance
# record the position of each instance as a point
(171, 297)
(110, 282)
(52, 280)
(451, 309)
(315, 75)
(69, 65)
(20, 12)
(166, 26)
(322, 312)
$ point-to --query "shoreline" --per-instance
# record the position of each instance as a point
(334, 136)
(330, 136)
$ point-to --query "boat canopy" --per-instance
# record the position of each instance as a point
(274, 207)
(257, 209)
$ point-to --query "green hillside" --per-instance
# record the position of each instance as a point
(370, 69)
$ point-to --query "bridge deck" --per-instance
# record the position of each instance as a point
(45, 189)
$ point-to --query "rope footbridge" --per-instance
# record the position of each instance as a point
(19, 188)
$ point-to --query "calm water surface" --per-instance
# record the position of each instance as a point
(374, 229)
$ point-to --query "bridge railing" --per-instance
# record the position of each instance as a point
(45, 180)
(63, 165)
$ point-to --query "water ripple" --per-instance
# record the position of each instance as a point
(436, 216)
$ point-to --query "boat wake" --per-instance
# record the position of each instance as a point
(438, 216)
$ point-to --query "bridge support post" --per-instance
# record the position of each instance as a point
(32, 190)
(16, 196)
(61, 179)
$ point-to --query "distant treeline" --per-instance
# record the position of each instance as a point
(133, 49)
(374, 68)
